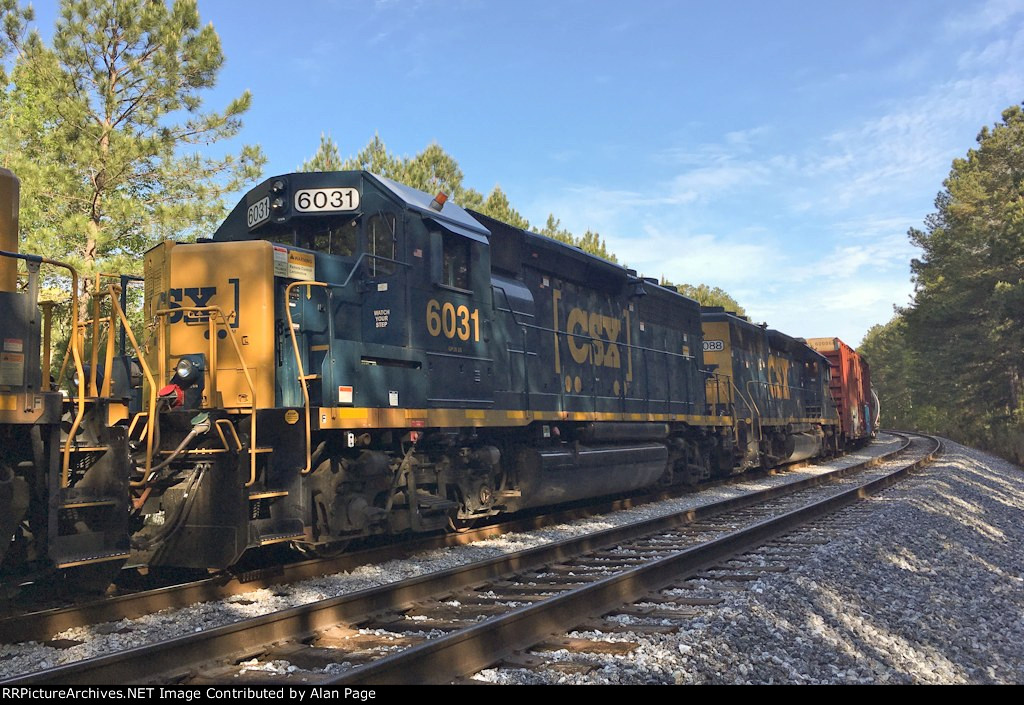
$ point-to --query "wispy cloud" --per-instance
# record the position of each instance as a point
(991, 15)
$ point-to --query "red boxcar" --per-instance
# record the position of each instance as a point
(851, 388)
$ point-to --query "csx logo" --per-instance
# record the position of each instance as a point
(603, 332)
(200, 297)
(778, 377)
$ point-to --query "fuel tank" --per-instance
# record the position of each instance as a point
(553, 476)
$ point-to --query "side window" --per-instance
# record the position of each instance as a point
(456, 261)
(380, 242)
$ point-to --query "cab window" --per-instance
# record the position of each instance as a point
(455, 271)
(336, 239)
(283, 238)
(380, 242)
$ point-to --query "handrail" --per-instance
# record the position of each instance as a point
(720, 381)
(161, 338)
(359, 261)
(96, 324)
(76, 354)
(96, 295)
(776, 385)
(114, 291)
(755, 412)
(223, 438)
(298, 362)
(295, 343)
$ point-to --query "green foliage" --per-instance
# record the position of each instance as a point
(327, 157)
(894, 372)
(965, 323)
(708, 296)
(14, 20)
(498, 207)
(590, 241)
(103, 126)
(434, 170)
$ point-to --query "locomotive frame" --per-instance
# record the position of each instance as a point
(348, 356)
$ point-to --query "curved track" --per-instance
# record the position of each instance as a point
(41, 624)
(452, 619)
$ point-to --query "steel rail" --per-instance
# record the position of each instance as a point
(41, 625)
(178, 654)
(469, 650)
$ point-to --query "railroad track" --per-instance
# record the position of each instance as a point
(40, 625)
(444, 626)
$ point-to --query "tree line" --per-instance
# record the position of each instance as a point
(434, 170)
(952, 362)
(108, 130)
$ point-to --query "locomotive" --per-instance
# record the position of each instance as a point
(347, 356)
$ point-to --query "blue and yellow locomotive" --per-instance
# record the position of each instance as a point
(347, 356)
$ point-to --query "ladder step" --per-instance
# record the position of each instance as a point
(268, 494)
(432, 503)
(280, 538)
(90, 503)
(68, 562)
(261, 450)
(197, 451)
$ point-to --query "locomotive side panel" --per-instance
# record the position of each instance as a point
(600, 344)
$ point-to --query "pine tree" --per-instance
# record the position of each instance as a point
(498, 207)
(966, 319)
(101, 128)
(708, 296)
(434, 170)
(590, 241)
(375, 158)
(327, 157)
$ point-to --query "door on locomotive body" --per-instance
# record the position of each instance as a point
(379, 368)
(452, 301)
(319, 314)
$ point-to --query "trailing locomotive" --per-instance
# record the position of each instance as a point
(348, 356)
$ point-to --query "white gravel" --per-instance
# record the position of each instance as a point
(101, 639)
(928, 589)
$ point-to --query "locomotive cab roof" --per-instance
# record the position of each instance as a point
(277, 204)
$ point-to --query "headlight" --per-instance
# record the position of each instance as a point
(185, 369)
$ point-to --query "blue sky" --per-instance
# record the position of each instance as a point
(779, 150)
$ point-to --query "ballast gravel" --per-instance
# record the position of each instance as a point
(102, 639)
(929, 588)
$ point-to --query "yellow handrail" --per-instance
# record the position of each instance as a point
(114, 292)
(161, 339)
(73, 345)
(234, 434)
(95, 323)
(298, 362)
